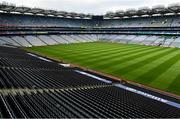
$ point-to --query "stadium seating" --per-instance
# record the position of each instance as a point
(138, 39)
(69, 39)
(78, 38)
(30, 20)
(175, 23)
(84, 38)
(33, 40)
(47, 40)
(168, 41)
(21, 41)
(130, 24)
(125, 38)
(41, 40)
(106, 37)
(166, 21)
(176, 42)
(32, 86)
(118, 38)
(2, 42)
(9, 41)
(89, 38)
(149, 40)
(158, 42)
(58, 39)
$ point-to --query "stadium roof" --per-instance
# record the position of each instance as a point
(160, 9)
(35, 11)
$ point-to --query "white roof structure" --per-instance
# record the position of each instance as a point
(23, 10)
(160, 9)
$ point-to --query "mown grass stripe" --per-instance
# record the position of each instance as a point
(102, 59)
(149, 66)
(143, 61)
(47, 52)
(95, 57)
(69, 47)
(166, 78)
(116, 64)
(82, 49)
(73, 51)
(81, 55)
(118, 55)
(174, 86)
(95, 47)
(160, 69)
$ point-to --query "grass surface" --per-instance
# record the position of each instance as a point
(149, 65)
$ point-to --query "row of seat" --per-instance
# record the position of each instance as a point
(38, 78)
(41, 40)
(158, 21)
(166, 41)
(104, 102)
(30, 20)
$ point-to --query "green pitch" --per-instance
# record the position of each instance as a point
(149, 65)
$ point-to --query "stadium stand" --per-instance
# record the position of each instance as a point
(34, 88)
(158, 41)
(143, 22)
(176, 42)
(29, 20)
(118, 38)
(21, 41)
(150, 40)
(9, 41)
(77, 38)
(54, 27)
(41, 40)
(138, 39)
(69, 39)
(35, 41)
(2, 42)
(47, 40)
(73, 20)
(59, 39)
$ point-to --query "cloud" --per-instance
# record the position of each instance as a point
(90, 6)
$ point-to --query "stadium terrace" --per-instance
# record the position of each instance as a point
(56, 64)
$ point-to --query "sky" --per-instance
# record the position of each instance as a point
(96, 7)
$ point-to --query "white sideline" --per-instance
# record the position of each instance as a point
(39, 57)
(93, 76)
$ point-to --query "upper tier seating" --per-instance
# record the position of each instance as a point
(30, 20)
(166, 21)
